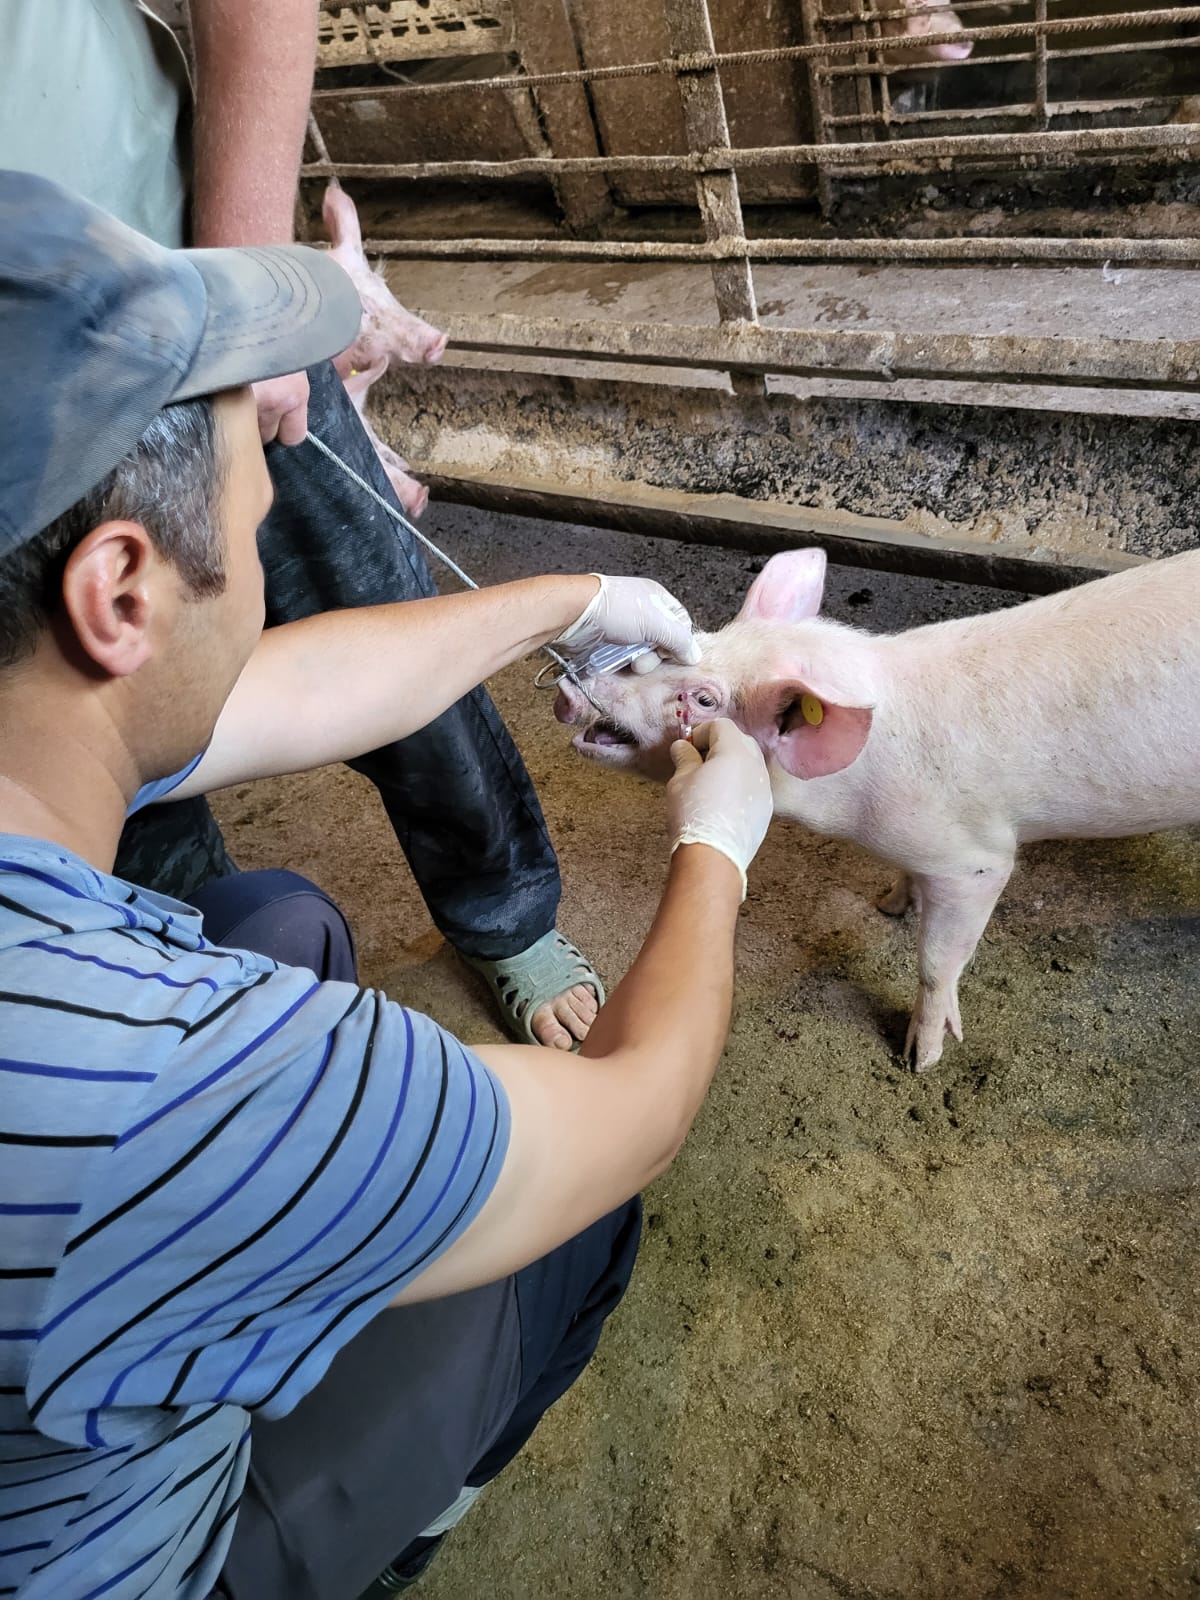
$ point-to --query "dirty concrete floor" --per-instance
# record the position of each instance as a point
(1089, 302)
(923, 1338)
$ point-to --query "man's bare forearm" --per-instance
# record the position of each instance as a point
(589, 1134)
(254, 72)
(332, 687)
(667, 1018)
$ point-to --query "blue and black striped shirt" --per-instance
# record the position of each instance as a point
(213, 1172)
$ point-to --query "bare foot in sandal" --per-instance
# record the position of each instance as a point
(548, 994)
(566, 1021)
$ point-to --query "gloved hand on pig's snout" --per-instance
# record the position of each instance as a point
(633, 611)
(720, 794)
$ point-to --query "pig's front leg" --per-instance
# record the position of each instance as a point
(954, 912)
(413, 496)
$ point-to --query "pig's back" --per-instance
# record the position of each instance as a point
(1069, 716)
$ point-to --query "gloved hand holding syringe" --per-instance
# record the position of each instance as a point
(720, 795)
(630, 622)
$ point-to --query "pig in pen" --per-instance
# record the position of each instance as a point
(944, 749)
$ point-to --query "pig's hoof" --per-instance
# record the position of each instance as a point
(920, 1055)
(927, 1030)
(896, 900)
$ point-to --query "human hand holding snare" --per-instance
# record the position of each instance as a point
(633, 611)
(721, 793)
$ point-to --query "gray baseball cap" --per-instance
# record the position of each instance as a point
(100, 328)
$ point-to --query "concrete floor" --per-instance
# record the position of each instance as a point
(1084, 302)
(917, 1338)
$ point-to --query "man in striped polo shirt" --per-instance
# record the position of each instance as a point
(286, 1272)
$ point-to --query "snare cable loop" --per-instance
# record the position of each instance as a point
(567, 667)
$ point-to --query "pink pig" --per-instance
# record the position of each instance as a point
(413, 496)
(944, 748)
(388, 331)
(932, 18)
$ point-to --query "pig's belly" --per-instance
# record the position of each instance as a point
(947, 838)
(1110, 823)
(1116, 808)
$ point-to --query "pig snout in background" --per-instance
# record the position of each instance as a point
(908, 34)
(389, 333)
(913, 30)
(945, 748)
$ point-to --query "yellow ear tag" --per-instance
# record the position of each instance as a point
(812, 710)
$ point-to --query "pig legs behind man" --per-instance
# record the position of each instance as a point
(389, 333)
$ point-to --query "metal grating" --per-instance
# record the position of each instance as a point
(1035, 65)
(1049, 69)
(1048, 87)
(407, 30)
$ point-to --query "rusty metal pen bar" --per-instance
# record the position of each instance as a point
(846, 57)
(1183, 138)
(863, 356)
(1158, 252)
(702, 61)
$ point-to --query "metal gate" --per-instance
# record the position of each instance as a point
(805, 144)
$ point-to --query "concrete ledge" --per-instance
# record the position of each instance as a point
(764, 528)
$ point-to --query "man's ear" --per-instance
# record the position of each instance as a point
(788, 589)
(809, 734)
(107, 585)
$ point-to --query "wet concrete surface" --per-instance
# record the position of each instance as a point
(891, 1337)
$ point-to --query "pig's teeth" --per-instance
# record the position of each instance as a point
(607, 732)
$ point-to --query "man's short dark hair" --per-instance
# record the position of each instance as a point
(169, 482)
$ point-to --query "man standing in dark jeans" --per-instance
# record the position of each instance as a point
(102, 105)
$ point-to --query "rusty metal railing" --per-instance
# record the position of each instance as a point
(870, 70)
(862, 126)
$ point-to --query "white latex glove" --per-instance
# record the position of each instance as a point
(722, 798)
(633, 611)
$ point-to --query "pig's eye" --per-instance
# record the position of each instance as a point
(706, 701)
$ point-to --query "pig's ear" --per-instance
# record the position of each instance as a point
(788, 589)
(341, 218)
(809, 734)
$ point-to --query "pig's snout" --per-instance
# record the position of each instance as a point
(570, 707)
(432, 345)
(564, 711)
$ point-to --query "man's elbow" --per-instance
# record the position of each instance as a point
(669, 1136)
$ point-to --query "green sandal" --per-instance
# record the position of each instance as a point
(523, 982)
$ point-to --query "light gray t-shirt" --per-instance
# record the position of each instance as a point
(94, 94)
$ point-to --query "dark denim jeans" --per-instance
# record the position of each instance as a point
(457, 793)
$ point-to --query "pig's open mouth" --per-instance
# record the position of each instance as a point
(606, 739)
